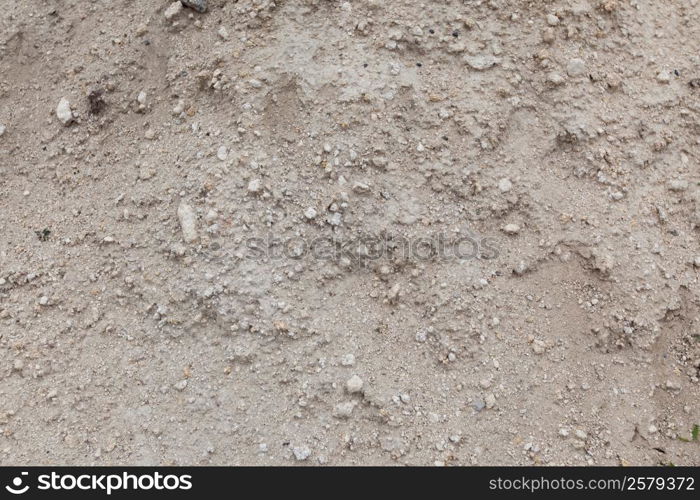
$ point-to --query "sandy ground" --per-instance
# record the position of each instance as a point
(363, 232)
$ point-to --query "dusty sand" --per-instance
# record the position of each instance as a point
(169, 292)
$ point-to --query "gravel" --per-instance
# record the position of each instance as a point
(64, 112)
(354, 385)
(188, 222)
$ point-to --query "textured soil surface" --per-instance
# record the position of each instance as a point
(363, 232)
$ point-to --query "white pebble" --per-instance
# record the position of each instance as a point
(677, 185)
(301, 453)
(505, 185)
(310, 213)
(663, 77)
(344, 410)
(188, 222)
(255, 186)
(555, 78)
(179, 107)
(576, 67)
(63, 111)
(354, 384)
(173, 10)
(511, 229)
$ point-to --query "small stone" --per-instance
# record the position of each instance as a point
(173, 10)
(181, 385)
(223, 33)
(581, 434)
(348, 360)
(673, 386)
(576, 67)
(392, 444)
(481, 63)
(490, 400)
(653, 429)
(394, 293)
(511, 229)
(354, 384)
(256, 84)
(538, 347)
(564, 432)
(485, 383)
(310, 213)
(301, 453)
(198, 5)
(360, 187)
(222, 153)
(478, 404)
(344, 410)
(380, 161)
(179, 107)
(664, 77)
(555, 78)
(188, 222)
(52, 394)
(677, 185)
(141, 98)
(44, 300)
(505, 185)
(18, 365)
(255, 186)
(334, 219)
(548, 35)
(2, 129)
(63, 111)
(150, 134)
(552, 20)
(696, 262)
